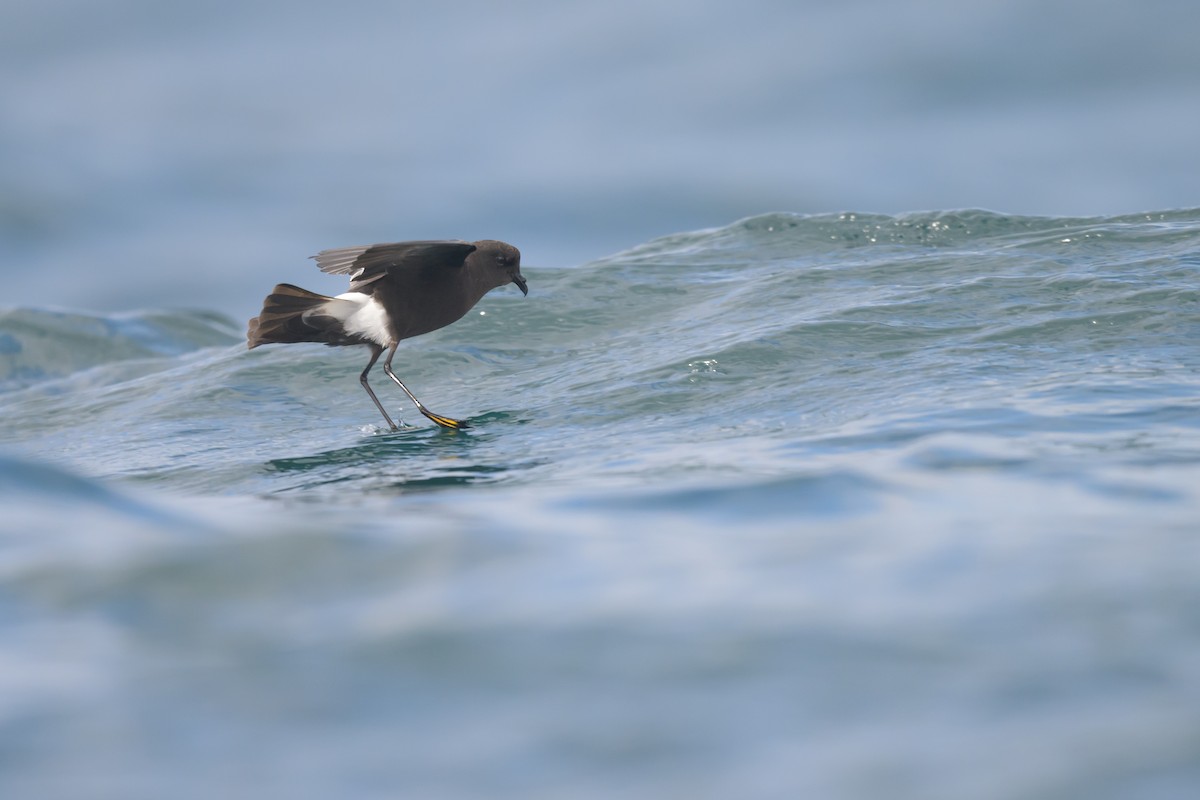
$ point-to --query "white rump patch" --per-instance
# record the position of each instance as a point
(360, 315)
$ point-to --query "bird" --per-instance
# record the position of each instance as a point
(397, 291)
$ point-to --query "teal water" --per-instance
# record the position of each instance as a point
(849, 505)
(842, 506)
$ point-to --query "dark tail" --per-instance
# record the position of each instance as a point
(282, 318)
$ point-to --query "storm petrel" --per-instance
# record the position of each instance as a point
(397, 291)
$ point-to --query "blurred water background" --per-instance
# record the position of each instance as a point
(794, 475)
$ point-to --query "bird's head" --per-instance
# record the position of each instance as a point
(503, 263)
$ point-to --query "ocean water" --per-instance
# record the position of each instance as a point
(838, 505)
(894, 504)
(157, 155)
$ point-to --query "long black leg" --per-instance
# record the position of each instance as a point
(445, 422)
(376, 350)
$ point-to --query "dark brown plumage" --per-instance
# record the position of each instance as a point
(397, 291)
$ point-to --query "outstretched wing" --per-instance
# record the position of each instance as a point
(369, 263)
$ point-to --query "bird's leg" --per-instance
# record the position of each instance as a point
(445, 422)
(376, 350)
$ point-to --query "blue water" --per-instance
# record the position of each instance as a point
(763, 499)
(849, 502)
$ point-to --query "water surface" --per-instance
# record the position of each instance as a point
(840, 505)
